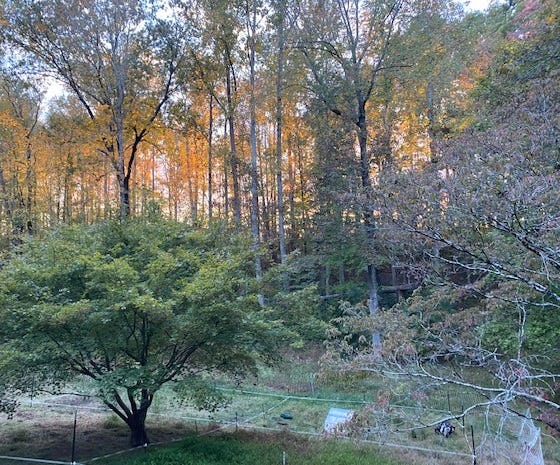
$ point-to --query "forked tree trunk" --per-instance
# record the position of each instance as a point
(137, 424)
(134, 414)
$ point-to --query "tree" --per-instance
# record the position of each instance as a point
(220, 30)
(20, 103)
(486, 215)
(252, 25)
(349, 47)
(75, 166)
(117, 57)
(132, 306)
(280, 20)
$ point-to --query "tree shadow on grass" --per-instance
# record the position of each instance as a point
(47, 433)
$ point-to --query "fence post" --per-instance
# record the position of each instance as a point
(473, 447)
(32, 389)
(74, 437)
(312, 383)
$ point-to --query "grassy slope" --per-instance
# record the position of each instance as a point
(45, 432)
(253, 449)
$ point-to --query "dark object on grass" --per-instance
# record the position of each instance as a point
(445, 428)
(286, 416)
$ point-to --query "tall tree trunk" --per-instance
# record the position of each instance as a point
(118, 120)
(432, 124)
(153, 172)
(302, 187)
(124, 195)
(279, 126)
(255, 229)
(191, 183)
(7, 205)
(210, 157)
(373, 285)
(30, 186)
(106, 193)
(295, 227)
(225, 182)
(232, 147)
(67, 199)
(134, 414)
(122, 178)
(267, 199)
(137, 425)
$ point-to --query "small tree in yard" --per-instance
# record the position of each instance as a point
(133, 306)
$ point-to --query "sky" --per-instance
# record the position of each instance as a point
(476, 4)
(54, 89)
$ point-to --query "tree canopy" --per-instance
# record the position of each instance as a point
(132, 306)
(483, 220)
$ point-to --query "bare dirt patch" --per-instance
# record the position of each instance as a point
(45, 432)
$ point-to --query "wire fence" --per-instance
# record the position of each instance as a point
(407, 425)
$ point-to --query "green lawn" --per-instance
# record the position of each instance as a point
(253, 449)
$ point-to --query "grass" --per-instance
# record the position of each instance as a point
(255, 449)
(256, 405)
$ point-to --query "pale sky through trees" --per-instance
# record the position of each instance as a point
(54, 88)
(476, 4)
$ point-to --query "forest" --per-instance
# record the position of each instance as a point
(190, 187)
